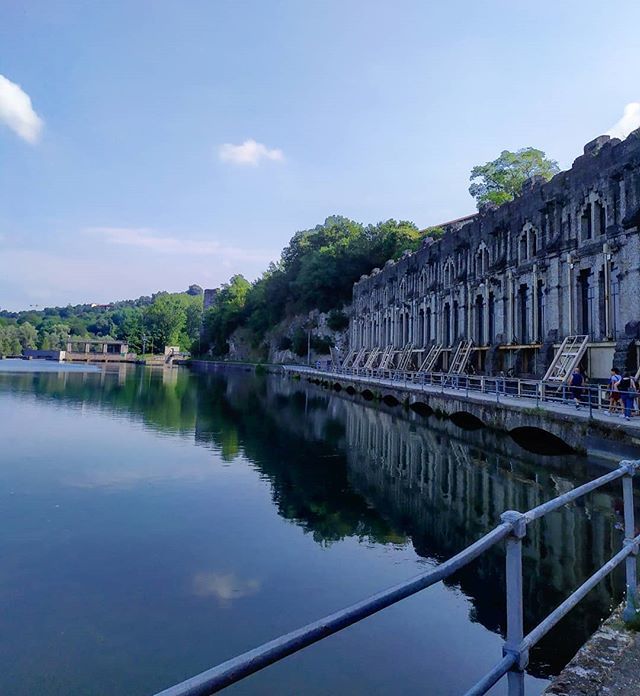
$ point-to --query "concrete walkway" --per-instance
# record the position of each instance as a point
(632, 427)
(607, 665)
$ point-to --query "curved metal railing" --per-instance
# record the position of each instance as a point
(513, 529)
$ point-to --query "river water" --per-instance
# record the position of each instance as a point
(156, 522)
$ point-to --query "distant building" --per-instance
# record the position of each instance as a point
(97, 350)
(512, 282)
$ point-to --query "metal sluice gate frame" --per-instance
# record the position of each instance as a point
(512, 528)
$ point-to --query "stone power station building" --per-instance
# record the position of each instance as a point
(503, 289)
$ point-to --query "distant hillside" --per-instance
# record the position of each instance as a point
(155, 321)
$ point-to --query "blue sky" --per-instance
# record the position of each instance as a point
(169, 143)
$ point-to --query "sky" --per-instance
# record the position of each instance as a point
(147, 145)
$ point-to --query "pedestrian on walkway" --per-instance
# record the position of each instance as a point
(614, 395)
(627, 388)
(575, 386)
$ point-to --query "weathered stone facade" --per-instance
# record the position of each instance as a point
(562, 259)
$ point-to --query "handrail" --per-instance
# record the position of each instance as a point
(560, 501)
(231, 671)
(563, 609)
(516, 648)
(592, 397)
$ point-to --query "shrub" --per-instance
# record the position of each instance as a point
(299, 342)
(337, 320)
(284, 343)
(321, 344)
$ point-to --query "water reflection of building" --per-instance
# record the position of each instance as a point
(446, 494)
(400, 476)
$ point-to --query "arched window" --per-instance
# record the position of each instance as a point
(481, 261)
(449, 273)
(523, 248)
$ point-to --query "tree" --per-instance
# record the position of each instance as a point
(27, 335)
(502, 180)
(225, 316)
(165, 320)
(55, 337)
(193, 320)
(9, 341)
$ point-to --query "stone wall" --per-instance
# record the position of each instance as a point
(562, 259)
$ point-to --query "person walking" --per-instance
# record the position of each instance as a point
(575, 386)
(614, 394)
(627, 388)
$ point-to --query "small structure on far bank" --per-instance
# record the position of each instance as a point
(98, 350)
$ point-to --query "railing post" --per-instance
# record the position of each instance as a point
(515, 613)
(631, 609)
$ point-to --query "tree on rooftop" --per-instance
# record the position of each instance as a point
(502, 179)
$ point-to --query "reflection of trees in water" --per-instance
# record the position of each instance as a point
(340, 469)
(440, 490)
(164, 399)
(301, 455)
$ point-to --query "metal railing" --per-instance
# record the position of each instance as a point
(594, 397)
(512, 528)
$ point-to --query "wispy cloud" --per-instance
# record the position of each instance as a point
(249, 153)
(17, 113)
(629, 122)
(150, 240)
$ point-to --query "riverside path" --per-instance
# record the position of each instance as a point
(523, 408)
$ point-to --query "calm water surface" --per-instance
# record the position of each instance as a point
(157, 522)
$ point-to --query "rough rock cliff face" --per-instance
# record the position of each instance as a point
(240, 347)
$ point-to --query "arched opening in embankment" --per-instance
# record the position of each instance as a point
(367, 395)
(390, 400)
(466, 421)
(337, 386)
(540, 441)
(421, 408)
(350, 390)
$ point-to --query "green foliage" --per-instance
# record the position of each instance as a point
(337, 320)
(502, 180)
(321, 344)
(9, 341)
(128, 320)
(173, 320)
(299, 342)
(434, 232)
(301, 339)
(224, 317)
(316, 270)
(55, 337)
(27, 335)
(284, 343)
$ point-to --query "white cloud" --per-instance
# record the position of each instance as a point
(224, 586)
(17, 113)
(629, 122)
(250, 152)
(149, 239)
